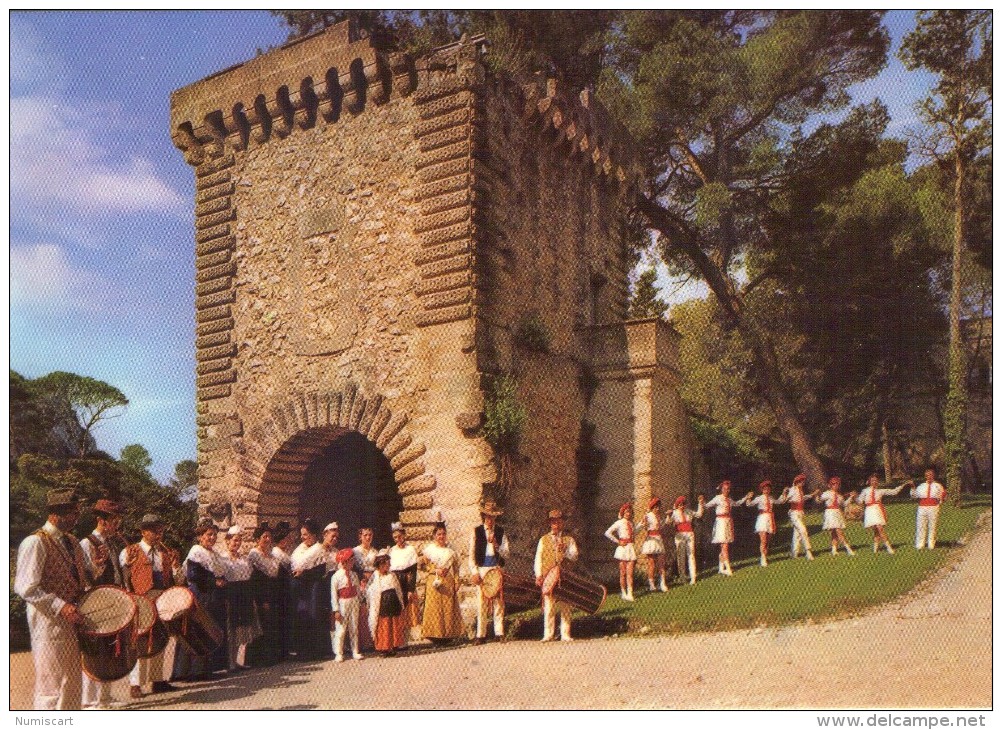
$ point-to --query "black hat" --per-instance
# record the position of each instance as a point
(281, 531)
(263, 528)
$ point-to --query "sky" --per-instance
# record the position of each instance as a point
(101, 203)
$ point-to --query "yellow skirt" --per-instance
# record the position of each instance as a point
(442, 617)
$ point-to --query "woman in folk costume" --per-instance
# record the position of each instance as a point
(834, 520)
(723, 526)
(442, 618)
(386, 608)
(345, 601)
(653, 547)
(266, 589)
(874, 514)
(404, 564)
(365, 566)
(206, 576)
(242, 622)
(621, 533)
(794, 494)
(685, 538)
(285, 539)
(765, 523)
(311, 635)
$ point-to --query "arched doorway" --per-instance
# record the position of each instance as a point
(351, 482)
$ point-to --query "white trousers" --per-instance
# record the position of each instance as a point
(154, 669)
(685, 554)
(102, 694)
(347, 625)
(56, 656)
(487, 607)
(800, 536)
(551, 607)
(925, 527)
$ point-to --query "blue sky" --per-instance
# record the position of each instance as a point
(101, 219)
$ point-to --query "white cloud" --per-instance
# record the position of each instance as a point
(41, 276)
(56, 163)
(31, 63)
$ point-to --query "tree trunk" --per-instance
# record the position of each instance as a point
(956, 398)
(767, 369)
(885, 437)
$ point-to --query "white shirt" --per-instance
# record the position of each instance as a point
(764, 503)
(365, 559)
(235, 569)
(620, 530)
(404, 557)
(89, 546)
(684, 514)
(722, 505)
(267, 564)
(30, 563)
(343, 579)
(501, 553)
(793, 493)
(208, 559)
(158, 556)
(831, 500)
(651, 523)
(281, 556)
(570, 550)
(878, 494)
(441, 557)
(928, 491)
(304, 558)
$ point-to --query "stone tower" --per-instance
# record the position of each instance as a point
(377, 238)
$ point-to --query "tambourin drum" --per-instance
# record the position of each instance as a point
(491, 582)
(107, 633)
(188, 621)
(578, 590)
(520, 592)
(151, 633)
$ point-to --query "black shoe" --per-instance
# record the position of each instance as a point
(159, 687)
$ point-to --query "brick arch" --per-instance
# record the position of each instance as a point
(303, 425)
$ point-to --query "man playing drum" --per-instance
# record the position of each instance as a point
(101, 554)
(51, 577)
(148, 565)
(488, 551)
(553, 549)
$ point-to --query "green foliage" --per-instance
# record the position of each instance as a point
(644, 300)
(740, 444)
(504, 415)
(533, 334)
(92, 400)
(136, 458)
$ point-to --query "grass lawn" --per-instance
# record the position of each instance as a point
(787, 590)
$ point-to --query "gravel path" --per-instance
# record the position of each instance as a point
(932, 648)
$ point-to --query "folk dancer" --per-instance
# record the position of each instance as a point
(653, 547)
(930, 495)
(874, 514)
(345, 600)
(266, 587)
(329, 542)
(150, 565)
(488, 550)
(312, 613)
(404, 565)
(51, 577)
(242, 622)
(765, 523)
(101, 552)
(443, 620)
(206, 575)
(552, 550)
(621, 533)
(723, 525)
(685, 538)
(386, 608)
(794, 494)
(834, 520)
(285, 539)
(365, 566)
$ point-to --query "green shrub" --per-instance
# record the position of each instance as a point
(504, 416)
(533, 335)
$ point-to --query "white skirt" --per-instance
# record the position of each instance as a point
(723, 530)
(874, 515)
(765, 522)
(653, 546)
(834, 520)
(625, 552)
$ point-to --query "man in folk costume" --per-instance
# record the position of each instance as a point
(552, 550)
(345, 600)
(488, 550)
(794, 494)
(148, 565)
(685, 538)
(101, 552)
(51, 577)
(930, 495)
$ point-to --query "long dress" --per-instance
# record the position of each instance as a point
(386, 608)
(202, 567)
(285, 602)
(311, 635)
(242, 623)
(364, 567)
(265, 587)
(442, 617)
(403, 564)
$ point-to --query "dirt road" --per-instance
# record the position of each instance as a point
(930, 649)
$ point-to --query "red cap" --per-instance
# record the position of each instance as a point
(799, 478)
(837, 481)
(765, 484)
(679, 501)
(653, 503)
(622, 510)
(344, 554)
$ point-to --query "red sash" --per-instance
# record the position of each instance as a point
(836, 502)
(768, 510)
(929, 500)
(349, 592)
(872, 501)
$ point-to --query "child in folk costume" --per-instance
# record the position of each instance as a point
(653, 547)
(834, 520)
(930, 495)
(874, 514)
(345, 600)
(723, 525)
(765, 523)
(386, 608)
(621, 533)
(685, 538)
(794, 494)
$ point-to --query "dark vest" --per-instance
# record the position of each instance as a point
(107, 578)
(480, 544)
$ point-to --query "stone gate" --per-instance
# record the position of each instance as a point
(375, 235)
